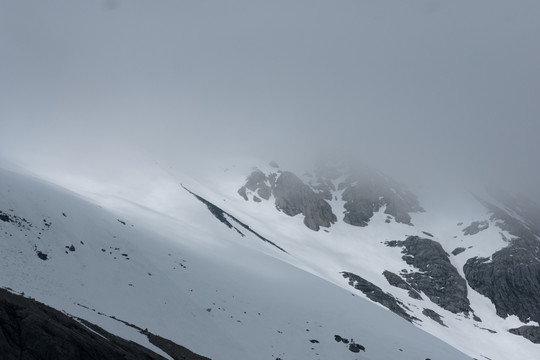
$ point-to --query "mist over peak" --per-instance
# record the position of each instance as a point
(417, 90)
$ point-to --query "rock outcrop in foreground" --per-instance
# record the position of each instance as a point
(30, 330)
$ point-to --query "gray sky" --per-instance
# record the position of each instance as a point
(425, 85)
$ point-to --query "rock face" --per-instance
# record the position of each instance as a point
(397, 281)
(30, 330)
(475, 227)
(292, 197)
(511, 277)
(437, 277)
(434, 316)
(375, 293)
(529, 332)
(458, 251)
(365, 195)
(257, 181)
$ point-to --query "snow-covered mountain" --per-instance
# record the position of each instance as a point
(266, 263)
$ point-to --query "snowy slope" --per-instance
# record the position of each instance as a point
(362, 250)
(171, 267)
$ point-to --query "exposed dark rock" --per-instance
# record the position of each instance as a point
(355, 348)
(71, 248)
(511, 279)
(293, 197)
(375, 293)
(18, 221)
(313, 341)
(257, 181)
(366, 194)
(433, 315)
(42, 255)
(437, 278)
(174, 350)
(428, 234)
(30, 330)
(243, 193)
(338, 338)
(475, 227)
(220, 215)
(458, 251)
(529, 332)
(397, 281)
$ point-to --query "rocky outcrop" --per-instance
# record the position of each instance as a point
(510, 278)
(434, 316)
(30, 330)
(375, 293)
(257, 182)
(293, 197)
(227, 219)
(366, 194)
(529, 332)
(458, 251)
(437, 277)
(397, 281)
(475, 227)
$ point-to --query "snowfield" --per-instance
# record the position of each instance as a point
(154, 255)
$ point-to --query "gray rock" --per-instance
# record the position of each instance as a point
(230, 221)
(458, 251)
(397, 281)
(30, 330)
(511, 280)
(375, 293)
(529, 332)
(293, 197)
(366, 194)
(437, 277)
(511, 277)
(257, 181)
(475, 227)
(243, 193)
(434, 316)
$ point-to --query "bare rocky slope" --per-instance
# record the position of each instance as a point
(509, 277)
(31, 330)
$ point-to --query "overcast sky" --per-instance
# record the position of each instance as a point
(425, 85)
